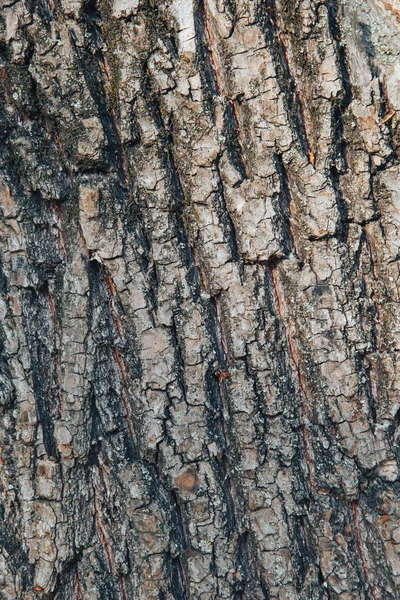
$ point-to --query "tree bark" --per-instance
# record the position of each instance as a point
(200, 330)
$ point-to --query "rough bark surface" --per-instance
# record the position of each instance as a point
(200, 326)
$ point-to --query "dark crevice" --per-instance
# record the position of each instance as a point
(39, 327)
(214, 411)
(370, 397)
(261, 421)
(100, 318)
(226, 219)
(65, 586)
(174, 183)
(249, 581)
(179, 359)
(342, 227)
(283, 205)
(109, 403)
(214, 330)
(91, 17)
(169, 502)
(43, 10)
(334, 27)
(177, 585)
(232, 139)
(358, 254)
(152, 287)
(91, 63)
(96, 431)
(216, 428)
(265, 592)
(369, 47)
(203, 58)
(303, 554)
(266, 12)
(18, 560)
(7, 389)
(338, 114)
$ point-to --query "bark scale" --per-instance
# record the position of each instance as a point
(200, 242)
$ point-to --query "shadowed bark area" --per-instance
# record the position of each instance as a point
(199, 299)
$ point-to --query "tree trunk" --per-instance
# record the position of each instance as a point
(200, 239)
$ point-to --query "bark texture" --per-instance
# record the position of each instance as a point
(200, 326)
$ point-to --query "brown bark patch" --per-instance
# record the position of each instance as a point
(188, 481)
